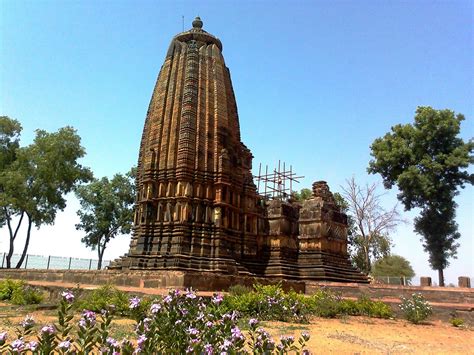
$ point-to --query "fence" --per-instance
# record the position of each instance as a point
(53, 262)
(396, 280)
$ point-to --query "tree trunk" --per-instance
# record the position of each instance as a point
(27, 243)
(367, 260)
(441, 277)
(100, 253)
(12, 236)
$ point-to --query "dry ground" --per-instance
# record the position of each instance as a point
(348, 335)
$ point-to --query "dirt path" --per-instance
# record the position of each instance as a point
(360, 335)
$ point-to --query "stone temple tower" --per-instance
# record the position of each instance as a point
(197, 206)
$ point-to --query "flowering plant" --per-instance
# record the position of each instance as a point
(415, 309)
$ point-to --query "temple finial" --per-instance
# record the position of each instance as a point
(197, 23)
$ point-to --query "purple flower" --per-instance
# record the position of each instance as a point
(64, 345)
(3, 337)
(28, 322)
(32, 345)
(253, 322)
(134, 303)
(193, 331)
(190, 294)
(141, 339)
(18, 345)
(155, 308)
(236, 333)
(111, 342)
(209, 324)
(184, 311)
(179, 321)
(226, 345)
(88, 319)
(217, 298)
(208, 349)
(89, 315)
(305, 336)
(68, 296)
(48, 329)
(168, 299)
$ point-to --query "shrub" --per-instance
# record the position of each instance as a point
(27, 295)
(177, 324)
(325, 304)
(457, 322)
(7, 287)
(415, 309)
(102, 297)
(376, 309)
(269, 302)
(19, 293)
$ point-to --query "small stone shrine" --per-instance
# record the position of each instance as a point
(197, 206)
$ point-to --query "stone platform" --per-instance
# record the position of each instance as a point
(202, 281)
(445, 300)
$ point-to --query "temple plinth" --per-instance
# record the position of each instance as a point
(197, 207)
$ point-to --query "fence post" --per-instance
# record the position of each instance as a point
(3, 258)
(69, 266)
(26, 260)
(49, 259)
(90, 263)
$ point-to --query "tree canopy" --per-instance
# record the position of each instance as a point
(427, 161)
(107, 210)
(35, 178)
(393, 265)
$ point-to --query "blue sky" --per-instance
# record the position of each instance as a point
(316, 82)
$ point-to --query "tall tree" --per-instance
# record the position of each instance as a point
(107, 210)
(35, 181)
(393, 265)
(369, 223)
(427, 160)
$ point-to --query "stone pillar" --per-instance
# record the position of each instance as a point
(425, 281)
(464, 281)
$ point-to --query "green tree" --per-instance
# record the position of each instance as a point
(427, 161)
(10, 130)
(107, 210)
(369, 223)
(36, 178)
(393, 265)
(304, 194)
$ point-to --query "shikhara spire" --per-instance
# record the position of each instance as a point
(197, 206)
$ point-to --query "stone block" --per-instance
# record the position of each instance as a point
(464, 281)
(425, 281)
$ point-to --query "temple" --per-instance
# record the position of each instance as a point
(197, 206)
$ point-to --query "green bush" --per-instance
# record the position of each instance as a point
(325, 304)
(103, 297)
(7, 287)
(268, 302)
(27, 295)
(19, 293)
(415, 309)
(457, 322)
(376, 309)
